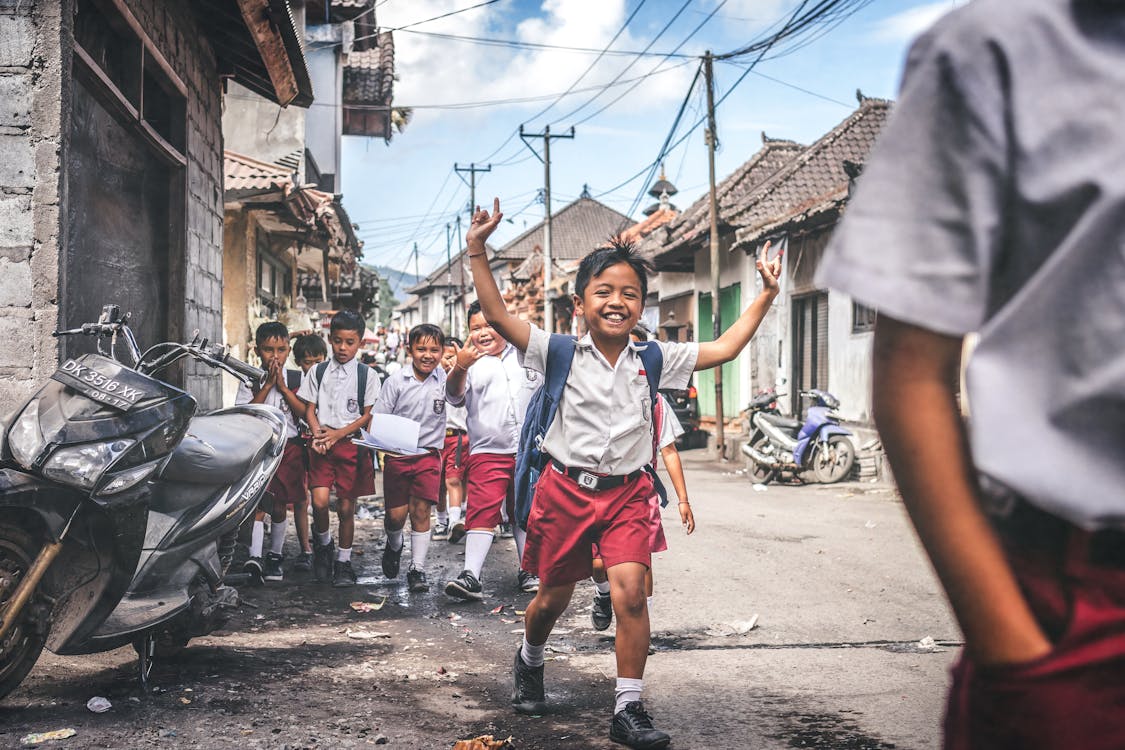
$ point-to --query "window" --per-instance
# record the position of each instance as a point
(863, 318)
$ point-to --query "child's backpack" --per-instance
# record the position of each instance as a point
(361, 380)
(530, 458)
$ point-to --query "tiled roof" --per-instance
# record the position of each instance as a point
(812, 182)
(577, 229)
(651, 223)
(242, 173)
(369, 77)
(462, 276)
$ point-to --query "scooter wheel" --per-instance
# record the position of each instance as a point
(20, 649)
(761, 473)
(833, 459)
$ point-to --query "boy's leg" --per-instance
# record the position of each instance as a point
(627, 589)
(490, 477)
(273, 571)
(323, 549)
(528, 694)
(253, 566)
(355, 479)
(419, 544)
(393, 523)
(301, 523)
(601, 613)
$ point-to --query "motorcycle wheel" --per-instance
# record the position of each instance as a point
(833, 459)
(21, 648)
(760, 473)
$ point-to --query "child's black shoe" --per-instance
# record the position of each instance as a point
(392, 560)
(601, 615)
(528, 696)
(343, 575)
(632, 726)
(323, 554)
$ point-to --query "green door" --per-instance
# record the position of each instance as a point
(730, 307)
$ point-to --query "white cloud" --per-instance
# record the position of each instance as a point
(904, 26)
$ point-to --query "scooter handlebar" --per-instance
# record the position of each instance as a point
(223, 358)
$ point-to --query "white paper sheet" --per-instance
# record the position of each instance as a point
(392, 434)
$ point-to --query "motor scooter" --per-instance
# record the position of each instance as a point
(119, 507)
(817, 445)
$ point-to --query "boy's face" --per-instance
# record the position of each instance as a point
(273, 349)
(448, 358)
(612, 302)
(484, 337)
(310, 361)
(345, 344)
(425, 355)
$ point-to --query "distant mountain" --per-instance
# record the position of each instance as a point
(399, 281)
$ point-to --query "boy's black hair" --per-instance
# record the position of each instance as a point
(271, 330)
(617, 251)
(454, 341)
(348, 320)
(309, 345)
(425, 331)
(367, 358)
(640, 332)
(474, 308)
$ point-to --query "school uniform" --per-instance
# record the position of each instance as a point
(455, 449)
(670, 431)
(497, 392)
(594, 488)
(289, 484)
(423, 401)
(347, 467)
(989, 207)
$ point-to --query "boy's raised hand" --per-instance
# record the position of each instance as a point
(468, 355)
(769, 269)
(277, 375)
(483, 224)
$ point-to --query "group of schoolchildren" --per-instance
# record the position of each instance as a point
(593, 511)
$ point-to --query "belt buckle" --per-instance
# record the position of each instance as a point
(588, 481)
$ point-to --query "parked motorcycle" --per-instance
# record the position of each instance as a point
(119, 508)
(779, 444)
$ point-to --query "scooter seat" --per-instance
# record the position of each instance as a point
(784, 423)
(219, 449)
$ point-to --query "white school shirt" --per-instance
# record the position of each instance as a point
(456, 418)
(670, 428)
(420, 400)
(274, 399)
(497, 392)
(335, 396)
(604, 421)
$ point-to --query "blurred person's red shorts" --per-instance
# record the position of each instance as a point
(405, 477)
(454, 453)
(490, 484)
(289, 484)
(347, 467)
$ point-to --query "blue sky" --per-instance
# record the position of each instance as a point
(407, 192)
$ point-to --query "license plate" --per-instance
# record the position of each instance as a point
(101, 384)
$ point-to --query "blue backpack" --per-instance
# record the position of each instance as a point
(530, 459)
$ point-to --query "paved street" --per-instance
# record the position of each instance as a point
(834, 575)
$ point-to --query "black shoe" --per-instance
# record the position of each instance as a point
(273, 570)
(392, 559)
(441, 531)
(323, 555)
(303, 562)
(465, 586)
(416, 581)
(527, 688)
(602, 613)
(253, 568)
(456, 532)
(506, 530)
(528, 583)
(343, 575)
(632, 726)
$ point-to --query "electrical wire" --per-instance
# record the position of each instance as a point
(407, 26)
(517, 44)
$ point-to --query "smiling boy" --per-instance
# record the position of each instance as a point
(602, 435)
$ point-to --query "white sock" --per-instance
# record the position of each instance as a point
(521, 539)
(323, 537)
(503, 514)
(277, 538)
(257, 536)
(442, 516)
(344, 555)
(477, 544)
(628, 690)
(602, 587)
(532, 655)
(394, 539)
(454, 514)
(419, 547)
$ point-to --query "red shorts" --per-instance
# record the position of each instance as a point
(405, 477)
(347, 467)
(489, 485)
(454, 454)
(657, 541)
(1074, 697)
(288, 485)
(566, 519)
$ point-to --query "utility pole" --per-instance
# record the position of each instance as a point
(711, 137)
(449, 275)
(417, 273)
(472, 170)
(548, 312)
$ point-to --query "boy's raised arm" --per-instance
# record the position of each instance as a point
(492, 304)
(737, 336)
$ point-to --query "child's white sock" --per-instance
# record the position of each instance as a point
(257, 536)
(532, 655)
(628, 690)
(344, 555)
(442, 516)
(394, 539)
(323, 537)
(602, 587)
(454, 514)
(477, 544)
(277, 538)
(503, 514)
(520, 537)
(419, 547)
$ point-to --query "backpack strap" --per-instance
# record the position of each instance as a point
(293, 379)
(319, 371)
(653, 359)
(560, 356)
(361, 373)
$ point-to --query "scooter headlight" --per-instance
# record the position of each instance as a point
(25, 438)
(81, 465)
(129, 478)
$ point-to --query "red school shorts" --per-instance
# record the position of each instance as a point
(347, 467)
(489, 486)
(1074, 696)
(657, 541)
(454, 454)
(289, 484)
(405, 477)
(566, 520)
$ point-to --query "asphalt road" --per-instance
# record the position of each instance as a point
(834, 576)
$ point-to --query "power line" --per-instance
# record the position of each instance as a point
(517, 44)
(409, 25)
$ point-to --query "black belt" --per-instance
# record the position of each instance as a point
(588, 480)
(451, 431)
(1026, 526)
